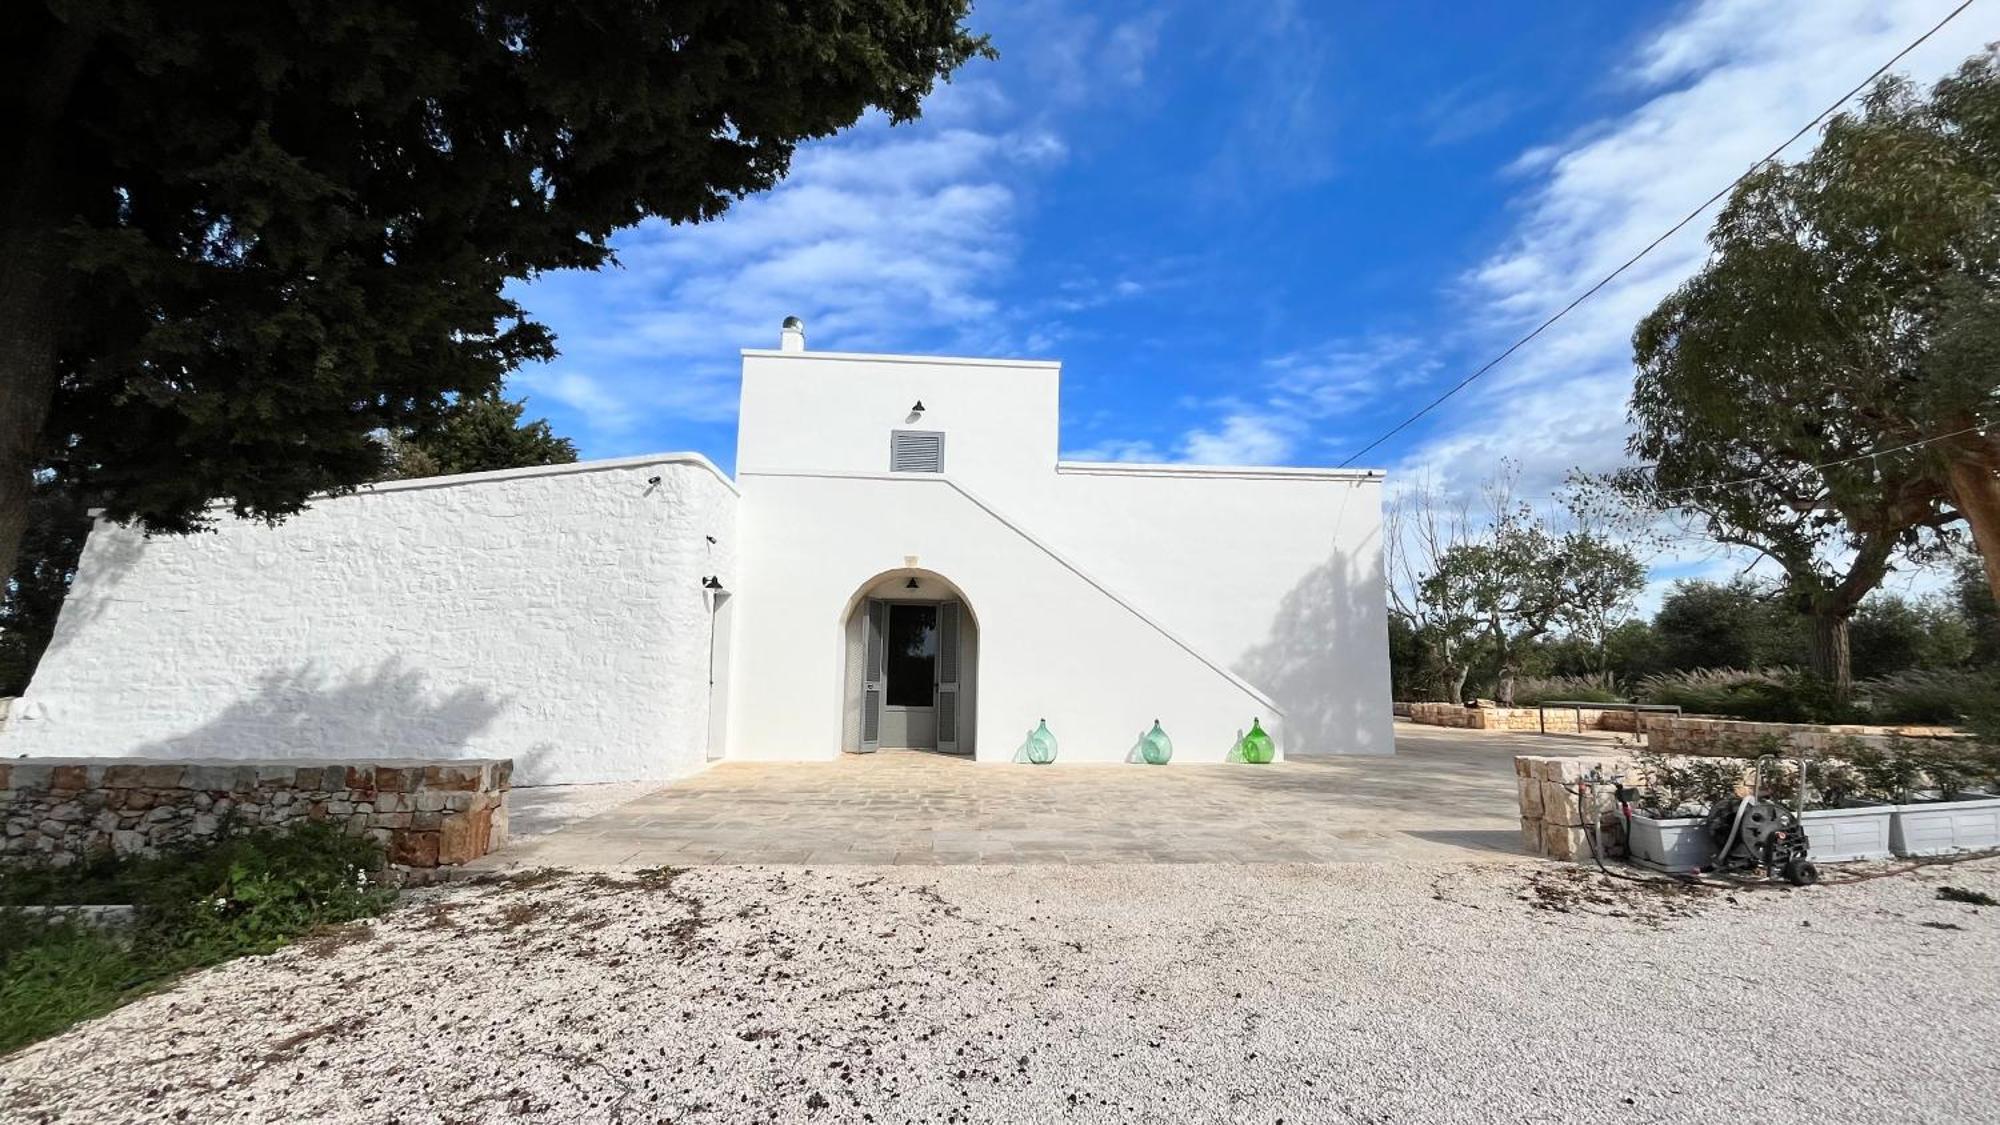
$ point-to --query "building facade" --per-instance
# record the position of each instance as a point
(902, 560)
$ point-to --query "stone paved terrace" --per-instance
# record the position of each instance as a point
(1447, 794)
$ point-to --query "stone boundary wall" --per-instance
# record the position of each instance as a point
(1560, 720)
(427, 814)
(1671, 734)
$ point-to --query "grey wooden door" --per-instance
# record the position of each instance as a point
(875, 633)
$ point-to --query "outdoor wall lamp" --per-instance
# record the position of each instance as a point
(910, 585)
(711, 583)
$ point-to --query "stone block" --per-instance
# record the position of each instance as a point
(68, 777)
(457, 778)
(128, 842)
(212, 779)
(1530, 794)
(463, 838)
(1564, 842)
(6, 776)
(205, 824)
(428, 801)
(414, 849)
(397, 779)
(391, 820)
(29, 776)
(1531, 835)
(162, 776)
(387, 802)
(496, 837)
(427, 821)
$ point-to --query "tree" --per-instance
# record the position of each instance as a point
(1849, 311)
(239, 240)
(58, 522)
(478, 435)
(1710, 625)
(1419, 527)
(1524, 580)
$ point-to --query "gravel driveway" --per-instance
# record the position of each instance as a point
(1435, 992)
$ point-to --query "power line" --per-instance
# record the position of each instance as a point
(1816, 468)
(1650, 246)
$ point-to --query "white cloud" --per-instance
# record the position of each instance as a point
(1242, 439)
(1116, 450)
(1728, 79)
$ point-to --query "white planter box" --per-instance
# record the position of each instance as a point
(1680, 844)
(1863, 832)
(1943, 827)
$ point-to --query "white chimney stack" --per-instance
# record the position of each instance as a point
(792, 337)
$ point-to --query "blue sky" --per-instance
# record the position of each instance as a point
(1255, 235)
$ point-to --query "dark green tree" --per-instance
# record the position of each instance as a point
(1851, 309)
(239, 241)
(1710, 625)
(477, 435)
(58, 522)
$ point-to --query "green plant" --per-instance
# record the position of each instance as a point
(1675, 787)
(1924, 697)
(1764, 696)
(1597, 688)
(197, 905)
(56, 970)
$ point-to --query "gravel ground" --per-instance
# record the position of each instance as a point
(1463, 992)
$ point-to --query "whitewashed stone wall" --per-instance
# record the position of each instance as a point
(553, 616)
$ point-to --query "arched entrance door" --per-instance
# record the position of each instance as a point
(912, 655)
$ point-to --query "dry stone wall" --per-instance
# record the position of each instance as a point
(427, 814)
(1556, 720)
(1731, 737)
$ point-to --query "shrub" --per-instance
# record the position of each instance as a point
(1925, 697)
(197, 905)
(1775, 696)
(1674, 787)
(1531, 690)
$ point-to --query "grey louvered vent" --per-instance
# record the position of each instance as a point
(916, 451)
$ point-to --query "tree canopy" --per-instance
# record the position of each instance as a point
(1826, 391)
(239, 241)
(477, 435)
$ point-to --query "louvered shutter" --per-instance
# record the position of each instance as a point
(916, 451)
(873, 647)
(947, 670)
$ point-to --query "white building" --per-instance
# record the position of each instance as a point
(902, 560)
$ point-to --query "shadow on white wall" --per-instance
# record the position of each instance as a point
(306, 712)
(1325, 631)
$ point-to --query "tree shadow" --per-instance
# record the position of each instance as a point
(307, 712)
(109, 554)
(1325, 662)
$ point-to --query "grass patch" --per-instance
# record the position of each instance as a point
(196, 906)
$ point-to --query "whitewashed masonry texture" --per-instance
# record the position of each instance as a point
(902, 560)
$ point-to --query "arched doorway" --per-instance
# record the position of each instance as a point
(912, 647)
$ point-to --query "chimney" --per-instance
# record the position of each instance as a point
(792, 337)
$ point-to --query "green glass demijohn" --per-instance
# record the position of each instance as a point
(1042, 745)
(1256, 746)
(1156, 748)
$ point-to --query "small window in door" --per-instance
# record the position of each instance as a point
(916, 451)
(912, 655)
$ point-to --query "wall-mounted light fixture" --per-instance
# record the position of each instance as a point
(711, 583)
(910, 585)
(918, 408)
(652, 480)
